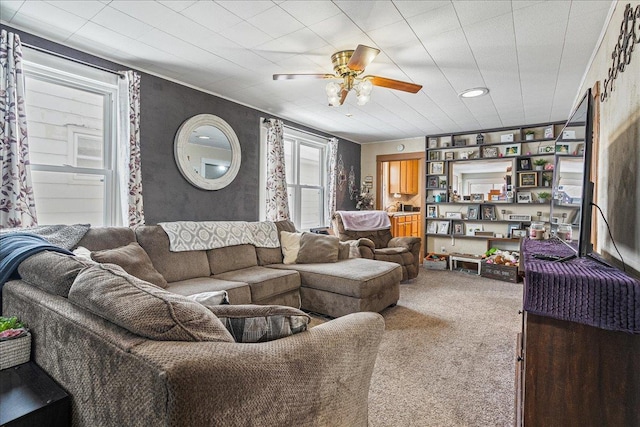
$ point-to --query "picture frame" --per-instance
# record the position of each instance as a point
(436, 168)
(449, 155)
(524, 164)
(432, 211)
(519, 233)
(528, 179)
(443, 227)
(454, 215)
(512, 150)
(489, 152)
(518, 217)
(458, 228)
(434, 155)
(473, 212)
(477, 197)
(432, 182)
(506, 138)
(562, 149)
(470, 229)
(459, 142)
(513, 226)
(548, 132)
(433, 142)
(569, 134)
(546, 149)
(488, 212)
(432, 227)
(523, 197)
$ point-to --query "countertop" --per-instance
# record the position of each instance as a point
(402, 213)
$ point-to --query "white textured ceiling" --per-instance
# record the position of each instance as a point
(530, 54)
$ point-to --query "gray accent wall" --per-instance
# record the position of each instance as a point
(164, 106)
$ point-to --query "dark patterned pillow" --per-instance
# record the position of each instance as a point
(261, 323)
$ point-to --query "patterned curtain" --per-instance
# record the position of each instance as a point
(17, 204)
(129, 150)
(332, 175)
(277, 200)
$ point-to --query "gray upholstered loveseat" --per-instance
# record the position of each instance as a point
(117, 377)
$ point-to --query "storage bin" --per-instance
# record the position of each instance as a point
(15, 351)
(506, 273)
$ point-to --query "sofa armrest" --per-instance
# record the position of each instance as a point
(410, 243)
(318, 377)
(366, 247)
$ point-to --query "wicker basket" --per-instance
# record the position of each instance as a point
(16, 351)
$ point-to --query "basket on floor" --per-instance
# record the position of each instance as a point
(16, 351)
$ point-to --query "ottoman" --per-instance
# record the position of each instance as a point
(347, 286)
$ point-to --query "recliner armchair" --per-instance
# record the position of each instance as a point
(382, 246)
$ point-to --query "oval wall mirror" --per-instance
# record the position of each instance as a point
(207, 152)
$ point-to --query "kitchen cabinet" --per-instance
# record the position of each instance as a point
(405, 225)
(403, 176)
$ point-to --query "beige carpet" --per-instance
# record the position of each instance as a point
(447, 357)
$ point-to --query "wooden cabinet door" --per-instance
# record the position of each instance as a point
(409, 176)
(395, 177)
(415, 226)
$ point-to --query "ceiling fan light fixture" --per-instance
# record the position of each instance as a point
(363, 99)
(474, 92)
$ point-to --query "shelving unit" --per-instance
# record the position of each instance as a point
(512, 182)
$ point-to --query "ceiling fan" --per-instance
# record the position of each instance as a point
(348, 65)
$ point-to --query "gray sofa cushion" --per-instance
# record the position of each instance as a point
(173, 266)
(142, 308)
(268, 256)
(52, 272)
(134, 260)
(264, 282)
(356, 277)
(101, 238)
(239, 292)
(318, 248)
(231, 258)
(261, 323)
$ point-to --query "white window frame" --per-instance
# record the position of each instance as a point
(85, 78)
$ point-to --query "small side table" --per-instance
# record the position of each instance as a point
(30, 397)
(454, 258)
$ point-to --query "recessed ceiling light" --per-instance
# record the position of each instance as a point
(349, 115)
(474, 93)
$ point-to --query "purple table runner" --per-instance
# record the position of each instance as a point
(581, 290)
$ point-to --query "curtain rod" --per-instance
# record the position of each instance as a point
(59, 55)
(301, 130)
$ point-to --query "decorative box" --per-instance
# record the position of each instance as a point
(506, 273)
(15, 351)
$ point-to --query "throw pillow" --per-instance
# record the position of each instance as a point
(261, 323)
(82, 252)
(318, 248)
(210, 298)
(142, 308)
(134, 260)
(52, 272)
(290, 243)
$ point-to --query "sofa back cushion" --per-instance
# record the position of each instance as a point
(173, 266)
(52, 272)
(101, 238)
(143, 308)
(134, 260)
(268, 256)
(231, 258)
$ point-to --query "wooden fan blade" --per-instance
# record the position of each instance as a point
(393, 84)
(303, 76)
(343, 96)
(362, 56)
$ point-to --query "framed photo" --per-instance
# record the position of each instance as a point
(433, 142)
(477, 197)
(519, 233)
(524, 164)
(449, 155)
(569, 134)
(489, 212)
(512, 150)
(506, 138)
(436, 168)
(434, 155)
(562, 148)
(547, 149)
(528, 179)
(443, 227)
(432, 211)
(432, 227)
(518, 217)
(473, 211)
(472, 228)
(513, 226)
(458, 228)
(455, 215)
(489, 151)
(523, 197)
(548, 132)
(459, 142)
(432, 182)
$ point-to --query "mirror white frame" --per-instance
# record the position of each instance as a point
(180, 154)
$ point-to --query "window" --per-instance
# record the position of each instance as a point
(306, 178)
(71, 123)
